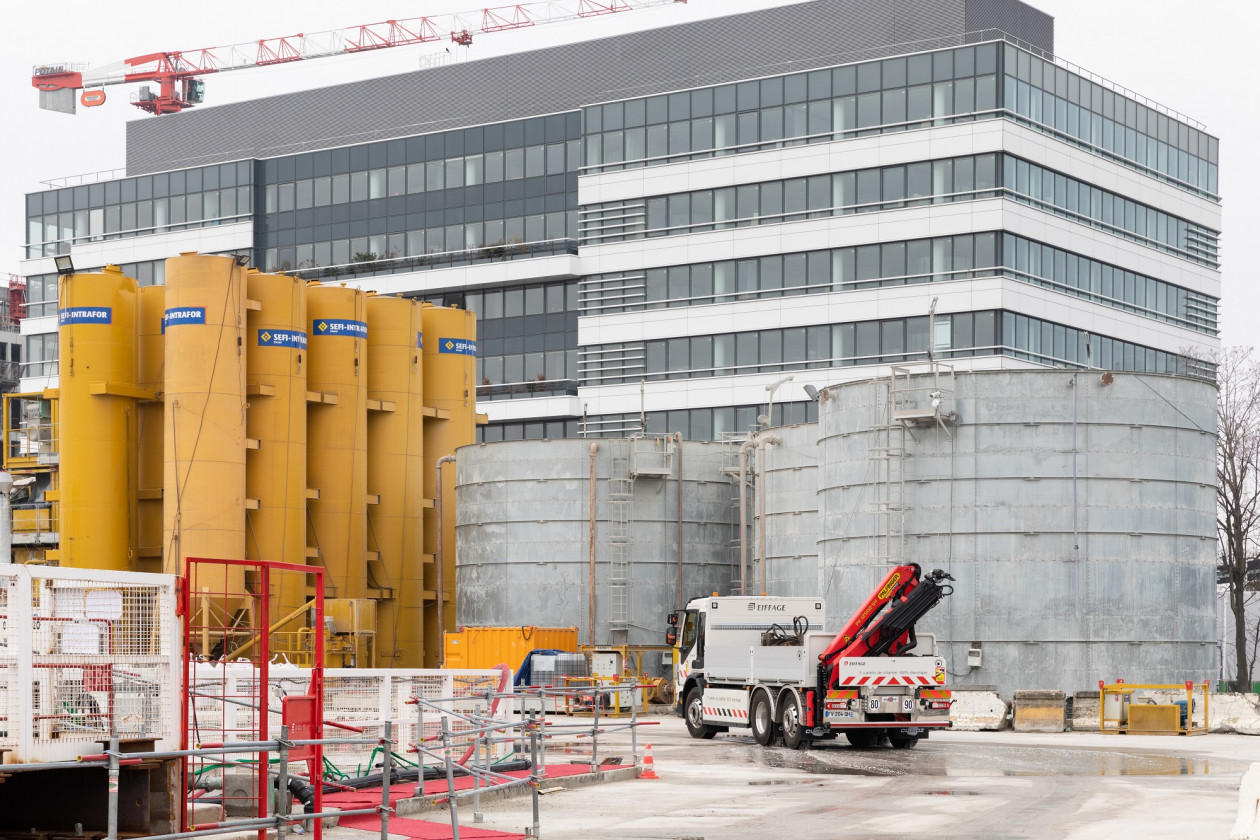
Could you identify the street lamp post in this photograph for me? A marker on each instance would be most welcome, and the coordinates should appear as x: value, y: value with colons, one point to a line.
x: 767, y: 418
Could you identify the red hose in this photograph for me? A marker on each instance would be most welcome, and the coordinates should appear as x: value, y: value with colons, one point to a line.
x: 504, y: 675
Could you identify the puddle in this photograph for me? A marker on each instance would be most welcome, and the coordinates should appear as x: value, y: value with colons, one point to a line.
x: 951, y: 793
x: 988, y: 760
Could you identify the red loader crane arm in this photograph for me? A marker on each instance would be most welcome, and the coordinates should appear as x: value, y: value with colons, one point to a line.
x: 876, y: 631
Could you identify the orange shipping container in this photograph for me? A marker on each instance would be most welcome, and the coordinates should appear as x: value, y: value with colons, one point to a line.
x: 485, y: 647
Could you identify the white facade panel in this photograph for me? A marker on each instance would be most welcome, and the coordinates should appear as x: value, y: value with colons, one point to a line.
x: 160, y: 246
x: 897, y: 148
x: 470, y: 277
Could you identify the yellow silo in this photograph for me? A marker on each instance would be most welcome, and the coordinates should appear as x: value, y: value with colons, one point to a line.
x: 450, y: 393
x: 395, y: 467
x: 204, y: 430
x: 336, y: 437
x: 275, y: 477
x: 97, y: 345
x: 151, y: 356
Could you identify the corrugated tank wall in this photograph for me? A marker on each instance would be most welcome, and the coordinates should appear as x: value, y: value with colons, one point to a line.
x: 1063, y: 581
x: 522, y: 536
x: 791, y: 487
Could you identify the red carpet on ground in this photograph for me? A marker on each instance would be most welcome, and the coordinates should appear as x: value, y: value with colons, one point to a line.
x: 423, y: 829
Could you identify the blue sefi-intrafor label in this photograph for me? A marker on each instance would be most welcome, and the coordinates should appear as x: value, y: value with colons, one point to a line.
x: 183, y: 316
x: 336, y: 326
x: 282, y: 338
x: 457, y: 345
x: 85, y: 315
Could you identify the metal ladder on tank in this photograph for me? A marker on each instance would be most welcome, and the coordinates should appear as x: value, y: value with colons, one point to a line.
x: 730, y: 469
x: 620, y: 501
x: 887, y: 455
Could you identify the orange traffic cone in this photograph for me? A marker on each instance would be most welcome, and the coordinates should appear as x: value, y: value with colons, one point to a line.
x: 649, y: 768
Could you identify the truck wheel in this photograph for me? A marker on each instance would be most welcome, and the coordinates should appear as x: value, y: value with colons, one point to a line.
x: 694, y: 711
x: 903, y: 742
x: 863, y: 739
x: 793, y: 725
x: 761, y: 718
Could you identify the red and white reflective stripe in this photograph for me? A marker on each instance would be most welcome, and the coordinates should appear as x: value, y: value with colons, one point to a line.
x: 896, y: 680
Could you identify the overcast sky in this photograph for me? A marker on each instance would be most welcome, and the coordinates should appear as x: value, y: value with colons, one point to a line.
x: 1197, y: 58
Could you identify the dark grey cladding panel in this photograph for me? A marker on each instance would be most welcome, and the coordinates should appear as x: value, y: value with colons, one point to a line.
x: 779, y: 40
x: 1019, y: 19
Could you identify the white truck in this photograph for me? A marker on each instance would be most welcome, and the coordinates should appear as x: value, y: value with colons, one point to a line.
x: 764, y: 663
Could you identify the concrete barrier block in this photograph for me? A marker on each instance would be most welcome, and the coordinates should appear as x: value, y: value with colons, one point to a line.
x: 1247, y: 826
x: 1085, y: 711
x: 1238, y: 713
x: 1040, y: 711
x: 201, y: 813
x: 238, y: 793
x: 976, y: 711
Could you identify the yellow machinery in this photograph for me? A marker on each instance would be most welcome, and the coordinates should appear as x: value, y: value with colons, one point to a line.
x: 395, y: 466
x: 450, y: 398
x: 98, y: 431
x: 31, y: 455
x: 485, y: 647
x: 237, y: 414
x: 204, y: 441
x: 275, y: 475
x: 1133, y: 709
x: 151, y: 377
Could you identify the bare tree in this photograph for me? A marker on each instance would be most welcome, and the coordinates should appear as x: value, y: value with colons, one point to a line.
x: 1238, y: 494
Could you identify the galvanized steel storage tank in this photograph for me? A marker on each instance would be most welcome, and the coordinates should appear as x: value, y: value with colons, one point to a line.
x: 791, y: 488
x: 523, y: 533
x: 1076, y: 511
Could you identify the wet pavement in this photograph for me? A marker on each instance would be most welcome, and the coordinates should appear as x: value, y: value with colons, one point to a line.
x: 956, y: 785
x: 946, y: 755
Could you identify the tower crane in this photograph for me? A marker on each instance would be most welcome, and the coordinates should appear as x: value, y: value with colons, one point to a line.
x: 176, y: 72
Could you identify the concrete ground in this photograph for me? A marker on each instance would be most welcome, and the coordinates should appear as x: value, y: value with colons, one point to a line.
x: 955, y: 785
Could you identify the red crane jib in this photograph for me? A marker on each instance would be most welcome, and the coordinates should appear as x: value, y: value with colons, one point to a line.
x: 853, y: 639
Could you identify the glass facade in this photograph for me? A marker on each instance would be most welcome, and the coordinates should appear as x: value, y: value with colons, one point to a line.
x: 694, y: 423
x: 1053, y: 99
x: 147, y: 204
x: 496, y: 186
x: 887, y: 341
x: 939, y: 259
x: 1063, y: 271
x: 508, y: 191
x: 900, y: 94
x: 526, y: 340
x: 967, y: 178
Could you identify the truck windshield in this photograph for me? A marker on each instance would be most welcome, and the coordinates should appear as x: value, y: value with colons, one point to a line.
x: 689, y: 631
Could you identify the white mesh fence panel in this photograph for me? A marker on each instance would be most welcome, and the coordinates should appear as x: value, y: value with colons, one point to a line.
x: 83, y: 653
x: 360, y: 697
